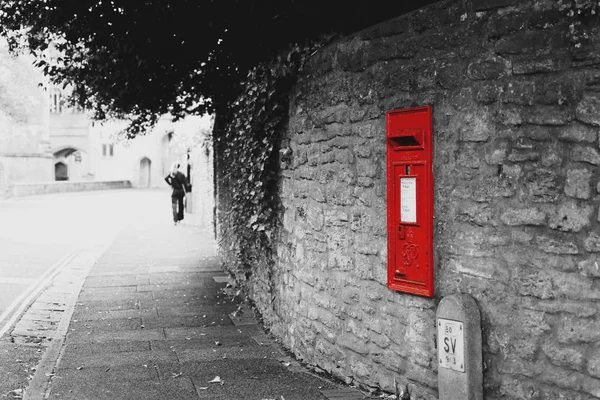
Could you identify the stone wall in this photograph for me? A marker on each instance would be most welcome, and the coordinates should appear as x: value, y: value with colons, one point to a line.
x: 515, y: 90
x: 37, y: 188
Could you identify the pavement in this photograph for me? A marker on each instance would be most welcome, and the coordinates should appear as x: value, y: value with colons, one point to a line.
x: 151, y: 316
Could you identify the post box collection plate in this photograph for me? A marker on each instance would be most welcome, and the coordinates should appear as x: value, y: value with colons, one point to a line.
x: 409, y: 153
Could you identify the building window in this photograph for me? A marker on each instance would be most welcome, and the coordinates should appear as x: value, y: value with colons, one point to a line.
x: 107, y: 150
x: 55, y: 102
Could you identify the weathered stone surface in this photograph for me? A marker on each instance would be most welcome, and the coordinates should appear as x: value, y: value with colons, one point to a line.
x: 543, y: 186
x: 585, y: 154
x: 527, y: 216
x: 555, y: 246
x: 568, y: 357
x: 578, y: 133
x: 515, y: 136
x: 578, y: 330
x: 481, y: 5
x: 570, y: 218
x: 533, y: 66
x: 578, y: 183
x: 590, y: 267
x: 487, y: 69
x: 546, y: 115
x: 524, y: 42
x: 588, y: 110
x: 593, y: 366
x: 592, y: 243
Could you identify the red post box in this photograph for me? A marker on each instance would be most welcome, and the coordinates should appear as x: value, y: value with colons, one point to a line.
x: 410, y: 200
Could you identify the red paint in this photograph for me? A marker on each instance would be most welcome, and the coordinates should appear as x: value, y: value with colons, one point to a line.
x: 409, y: 150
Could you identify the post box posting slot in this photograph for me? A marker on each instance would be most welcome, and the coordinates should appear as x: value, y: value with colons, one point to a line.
x: 410, y: 200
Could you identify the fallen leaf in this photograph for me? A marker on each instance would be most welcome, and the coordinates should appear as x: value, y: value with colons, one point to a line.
x: 203, y: 388
x: 16, y: 394
x: 80, y: 368
x: 217, y: 343
x: 217, y: 379
x: 176, y: 375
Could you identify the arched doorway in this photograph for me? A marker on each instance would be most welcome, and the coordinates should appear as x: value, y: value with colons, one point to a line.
x: 145, y: 172
x: 61, y: 171
x: 71, y: 163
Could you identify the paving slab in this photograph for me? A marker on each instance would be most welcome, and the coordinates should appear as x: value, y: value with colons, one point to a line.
x: 112, y: 373
x: 108, y: 325
x: 108, y: 305
x: 157, y: 318
x: 199, y: 320
x: 88, y: 336
x: 109, y: 359
x: 83, y: 388
x: 199, y: 309
x: 87, y: 315
x: 115, y: 296
x: 115, y: 280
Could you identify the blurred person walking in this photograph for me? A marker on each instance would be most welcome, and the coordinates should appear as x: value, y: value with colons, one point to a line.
x: 178, y: 182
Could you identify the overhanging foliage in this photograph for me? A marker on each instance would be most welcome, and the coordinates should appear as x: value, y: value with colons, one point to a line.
x: 152, y: 57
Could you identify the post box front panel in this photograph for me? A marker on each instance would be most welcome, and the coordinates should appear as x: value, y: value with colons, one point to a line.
x: 410, y: 201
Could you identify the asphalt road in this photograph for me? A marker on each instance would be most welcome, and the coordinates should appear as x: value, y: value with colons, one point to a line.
x: 38, y: 233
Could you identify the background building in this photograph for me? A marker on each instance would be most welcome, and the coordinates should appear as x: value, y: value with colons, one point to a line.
x: 24, y: 122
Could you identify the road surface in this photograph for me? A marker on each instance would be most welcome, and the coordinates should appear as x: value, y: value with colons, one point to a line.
x: 39, y: 233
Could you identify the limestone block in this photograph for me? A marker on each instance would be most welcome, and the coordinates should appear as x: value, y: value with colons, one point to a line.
x: 570, y: 218
x: 536, y: 284
x: 519, y: 155
x: 481, y: 5
x: 592, y: 243
x: 533, y: 66
x: 590, y: 267
x: 315, y: 217
x: 519, y: 92
x: 487, y: 92
x: 578, y: 183
x: 316, y: 192
x: 487, y: 69
x: 349, y: 341
x: 362, y: 150
x: 593, y: 365
x: 578, y: 133
x: 366, y: 168
x: 543, y: 186
x: 525, y: 216
x: 556, y: 246
x: 474, y: 126
x: 341, y: 261
x: 336, y: 217
x: 588, y: 110
x: 552, y: 155
x: 585, y: 154
x: 546, y: 115
x: 530, y: 42
x: 578, y: 330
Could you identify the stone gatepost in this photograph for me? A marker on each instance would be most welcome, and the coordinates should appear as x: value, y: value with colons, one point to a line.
x: 460, y: 372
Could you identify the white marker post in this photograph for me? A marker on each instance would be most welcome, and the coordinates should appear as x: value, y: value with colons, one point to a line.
x: 460, y: 372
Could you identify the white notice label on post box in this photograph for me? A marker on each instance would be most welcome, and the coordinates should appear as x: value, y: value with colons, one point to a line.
x: 408, y: 200
x: 451, y: 344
